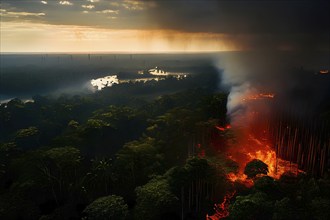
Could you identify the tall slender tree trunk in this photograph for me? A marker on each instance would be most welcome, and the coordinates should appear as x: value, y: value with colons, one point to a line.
x: 182, y: 202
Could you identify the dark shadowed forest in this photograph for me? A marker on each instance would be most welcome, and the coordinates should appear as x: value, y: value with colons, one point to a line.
x: 143, y: 150
x: 164, y: 110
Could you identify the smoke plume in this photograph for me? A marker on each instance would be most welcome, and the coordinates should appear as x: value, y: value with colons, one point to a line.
x: 292, y: 79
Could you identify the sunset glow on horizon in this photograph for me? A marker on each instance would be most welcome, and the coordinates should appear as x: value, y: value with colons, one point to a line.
x: 32, y: 37
x: 155, y: 26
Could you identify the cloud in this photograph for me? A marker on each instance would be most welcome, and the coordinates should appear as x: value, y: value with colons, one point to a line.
x: 65, y: 3
x: 108, y: 11
x: 5, y: 13
x: 135, y: 5
x: 88, y: 6
x: 242, y: 16
x: 76, y: 14
x: 261, y: 25
x: 44, y: 2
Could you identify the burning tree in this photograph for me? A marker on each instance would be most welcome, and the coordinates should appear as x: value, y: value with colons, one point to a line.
x: 255, y: 167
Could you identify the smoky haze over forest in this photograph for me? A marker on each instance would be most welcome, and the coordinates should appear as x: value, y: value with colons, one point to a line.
x: 164, y: 109
x: 293, y: 78
x: 26, y: 75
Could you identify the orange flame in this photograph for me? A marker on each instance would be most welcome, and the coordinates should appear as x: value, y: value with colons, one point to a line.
x: 221, y: 210
x: 259, y: 96
x: 223, y: 128
x: 247, y: 147
x: 261, y: 150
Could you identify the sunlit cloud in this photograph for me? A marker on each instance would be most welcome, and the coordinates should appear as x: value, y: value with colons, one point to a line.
x: 88, y: 6
x: 108, y: 11
x: 65, y: 3
x: 44, y: 2
x: 135, y: 5
x: 5, y: 13
x: 93, y: 1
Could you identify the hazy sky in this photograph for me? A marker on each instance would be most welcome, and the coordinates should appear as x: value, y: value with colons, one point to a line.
x: 163, y: 25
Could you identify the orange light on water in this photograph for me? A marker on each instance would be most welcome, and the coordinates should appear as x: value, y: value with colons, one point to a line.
x: 324, y: 71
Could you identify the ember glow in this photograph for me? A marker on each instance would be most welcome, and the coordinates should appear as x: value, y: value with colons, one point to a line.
x: 221, y: 210
x: 253, y: 142
x: 255, y: 148
x: 259, y: 96
x: 223, y: 128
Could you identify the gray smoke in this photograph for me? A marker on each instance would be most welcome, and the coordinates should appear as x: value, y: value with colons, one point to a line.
x: 293, y: 78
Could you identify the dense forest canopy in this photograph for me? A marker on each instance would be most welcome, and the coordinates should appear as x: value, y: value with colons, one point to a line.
x: 143, y: 150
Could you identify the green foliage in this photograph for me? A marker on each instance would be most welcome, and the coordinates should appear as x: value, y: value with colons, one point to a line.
x: 251, y: 207
x: 8, y: 151
x: 26, y: 167
x: 289, y: 186
x: 177, y: 178
x: 267, y: 185
x: 199, y: 168
x: 154, y: 199
x: 320, y: 208
x: 64, y: 157
x: 215, y: 106
x: 324, y: 185
x: 309, y: 189
x: 135, y: 147
x: 27, y: 137
x: 285, y: 209
x: 96, y: 124
x: 224, y: 164
x: 27, y: 132
x: 107, y: 208
x: 255, y: 167
x: 73, y: 124
x: 137, y: 161
x: 98, y: 180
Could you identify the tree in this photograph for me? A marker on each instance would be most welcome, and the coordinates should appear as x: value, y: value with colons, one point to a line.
x: 288, y: 183
x: 154, y: 199
x: 267, y: 185
x: 137, y: 161
x: 251, y: 207
x: 7, y: 152
x: 193, y: 183
x: 255, y: 167
x: 107, y: 208
x: 100, y: 177
x: 285, y: 209
x: 59, y: 167
x: 27, y: 137
x: 320, y: 208
x: 202, y: 178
